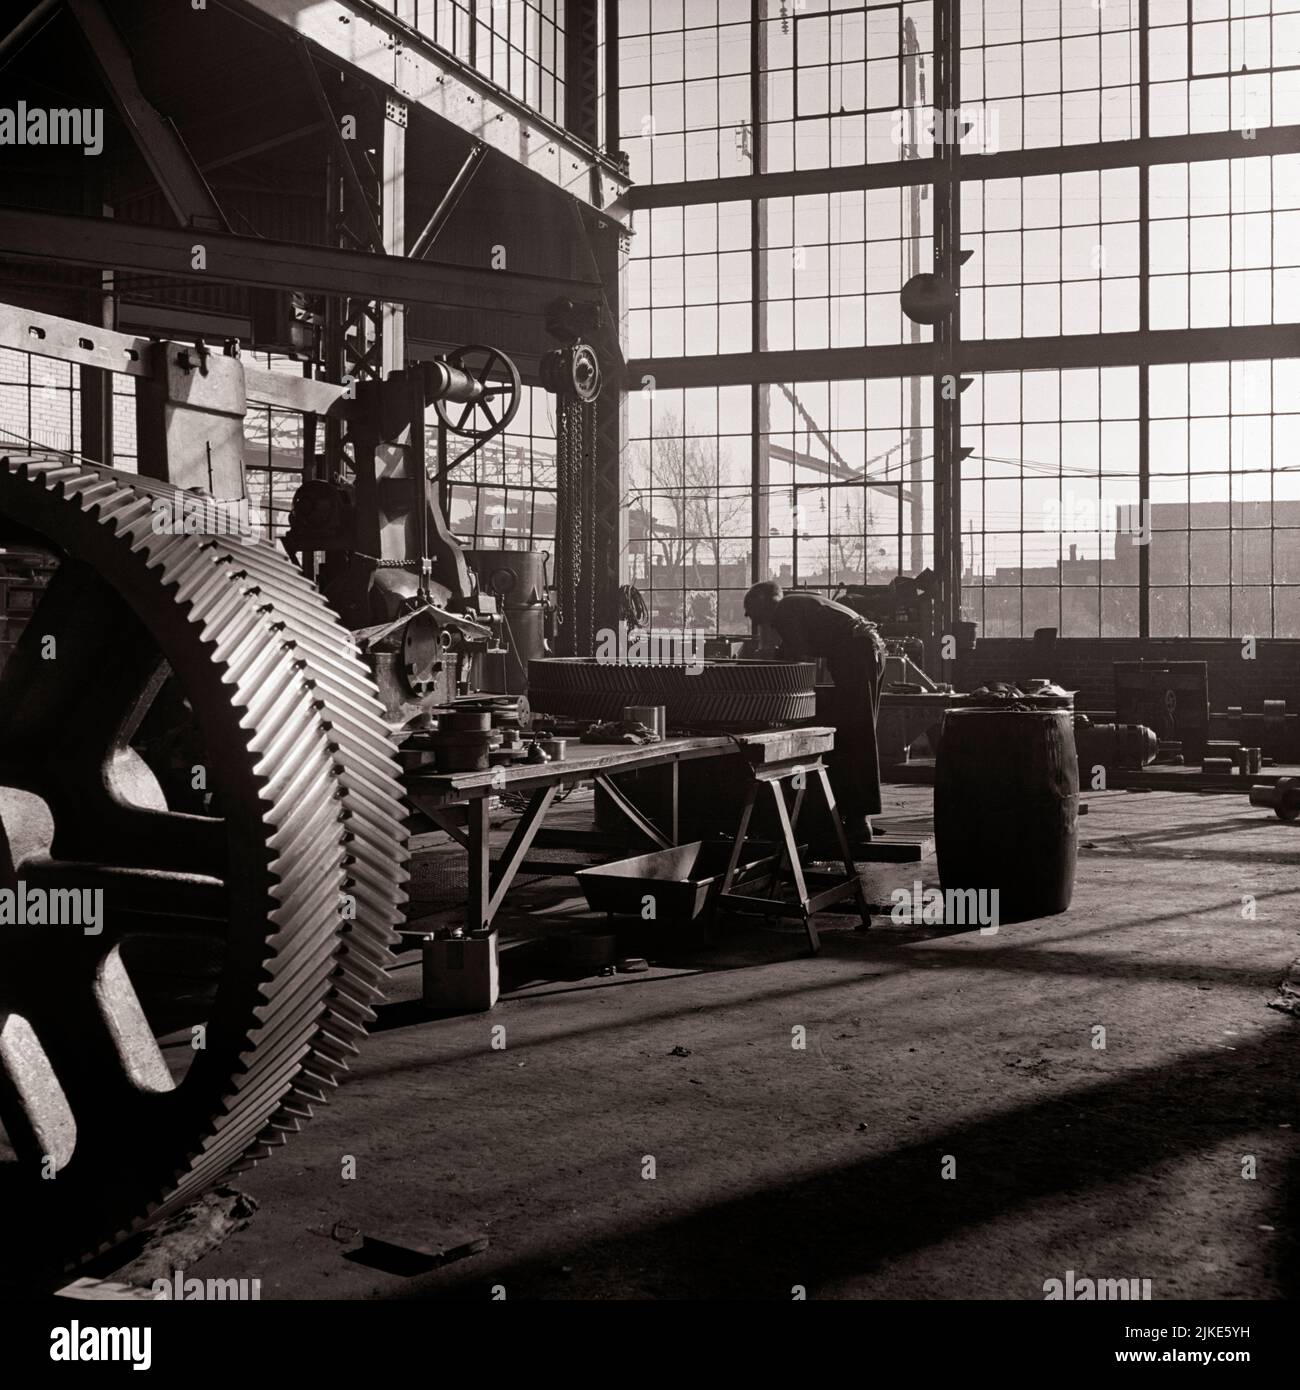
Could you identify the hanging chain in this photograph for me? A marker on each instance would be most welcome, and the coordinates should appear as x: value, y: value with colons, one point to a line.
x: 573, y: 432
x: 585, y: 413
x: 568, y: 559
x: 575, y: 526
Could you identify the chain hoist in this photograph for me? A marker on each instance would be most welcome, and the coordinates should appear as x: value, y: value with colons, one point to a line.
x: 573, y: 374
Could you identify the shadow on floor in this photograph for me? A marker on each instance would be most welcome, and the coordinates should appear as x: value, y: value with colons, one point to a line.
x: 1105, y: 1140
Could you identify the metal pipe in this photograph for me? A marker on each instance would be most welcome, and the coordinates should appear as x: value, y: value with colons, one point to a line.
x: 27, y: 25
x: 443, y: 382
x: 447, y: 204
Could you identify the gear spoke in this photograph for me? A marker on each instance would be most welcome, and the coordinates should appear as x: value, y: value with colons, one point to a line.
x: 112, y: 900
x: 85, y: 668
x: 234, y: 924
x: 484, y: 365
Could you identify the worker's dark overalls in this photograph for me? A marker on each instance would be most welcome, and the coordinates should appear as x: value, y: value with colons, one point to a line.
x: 812, y: 626
x: 857, y: 668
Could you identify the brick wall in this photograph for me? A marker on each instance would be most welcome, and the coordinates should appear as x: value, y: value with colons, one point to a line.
x: 1084, y: 664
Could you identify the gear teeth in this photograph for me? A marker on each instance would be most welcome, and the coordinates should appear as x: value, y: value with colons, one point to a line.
x: 304, y: 722
x: 724, y: 695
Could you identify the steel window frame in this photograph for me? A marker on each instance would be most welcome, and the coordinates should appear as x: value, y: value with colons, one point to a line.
x: 828, y: 15
x: 1143, y: 348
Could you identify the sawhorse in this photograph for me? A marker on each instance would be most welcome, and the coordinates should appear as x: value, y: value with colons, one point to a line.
x: 773, y: 775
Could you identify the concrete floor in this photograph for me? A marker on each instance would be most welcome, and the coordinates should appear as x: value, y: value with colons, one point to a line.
x: 823, y: 1167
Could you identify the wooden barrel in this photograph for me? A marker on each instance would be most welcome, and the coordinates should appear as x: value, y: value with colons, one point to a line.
x: 1006, y: 807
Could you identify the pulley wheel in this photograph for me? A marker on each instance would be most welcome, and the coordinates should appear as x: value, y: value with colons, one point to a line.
x: 491, y: 411
x: 584, y: 373
x: 572, y: 373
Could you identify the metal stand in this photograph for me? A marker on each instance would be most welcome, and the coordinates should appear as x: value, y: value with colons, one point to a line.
x: 807, y: 903
x: 489, y: 879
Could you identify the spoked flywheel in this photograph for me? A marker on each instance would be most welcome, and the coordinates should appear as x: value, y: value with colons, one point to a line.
x: 176, y: 989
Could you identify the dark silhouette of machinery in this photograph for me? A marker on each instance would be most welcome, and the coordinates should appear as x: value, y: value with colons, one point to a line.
x: 249, y: 888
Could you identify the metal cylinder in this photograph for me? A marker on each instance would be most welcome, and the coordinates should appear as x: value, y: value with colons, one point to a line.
x: 443, y: 382
x: 466, y: 721
x: 525, y: 639
x: 517, y: 580
x: 1282, y: 796
x: 1006, y: 807
x: 652, y: 716
x: 1273, y: 740
x: 515, y: 577
x: 1115, y: 745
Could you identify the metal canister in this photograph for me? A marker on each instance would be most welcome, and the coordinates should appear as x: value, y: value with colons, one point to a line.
x: 652, y: 716
x: 469, y: 721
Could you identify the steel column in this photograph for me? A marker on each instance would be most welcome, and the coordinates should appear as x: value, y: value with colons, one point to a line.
x: 392, y: 216
x: 947, y: 332
x: 760, y: 423
x: 913, y: 94
x: 96, y: 422
x: 96, y: 415
x: 1144, y: 323
x: 613, y: 122
x: 581, y: 70
x: 609, y: 243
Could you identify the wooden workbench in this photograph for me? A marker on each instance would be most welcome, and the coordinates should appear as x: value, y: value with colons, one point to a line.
x: 458, y: 801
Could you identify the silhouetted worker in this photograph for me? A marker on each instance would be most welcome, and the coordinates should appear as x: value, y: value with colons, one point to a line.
x: 810, y: 626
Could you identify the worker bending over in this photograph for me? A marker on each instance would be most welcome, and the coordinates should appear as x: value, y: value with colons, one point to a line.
x: 808, y: 627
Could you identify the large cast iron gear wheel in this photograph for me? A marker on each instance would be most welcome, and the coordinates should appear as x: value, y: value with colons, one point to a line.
x: 282, y: 908
x: 731, y: 695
